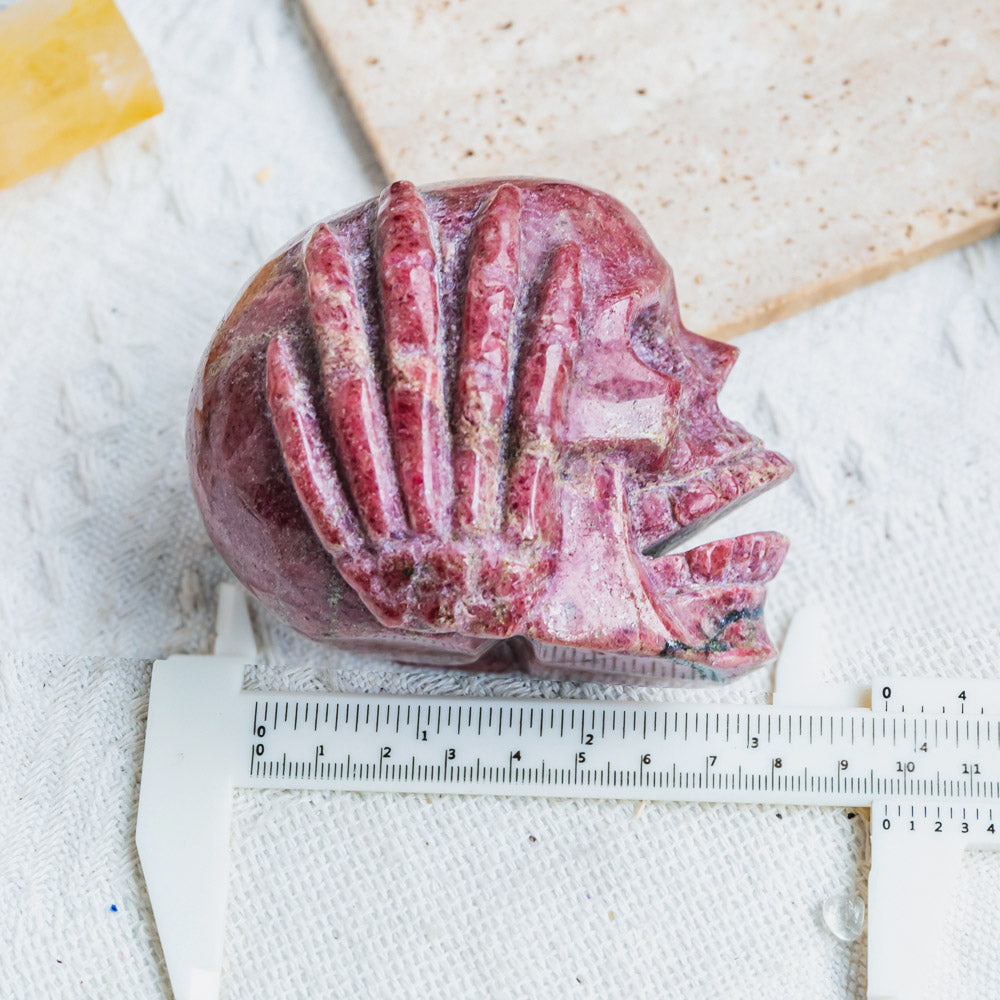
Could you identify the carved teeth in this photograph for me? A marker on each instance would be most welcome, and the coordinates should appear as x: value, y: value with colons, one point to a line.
x: 663, y: 511
x: 752, y: 558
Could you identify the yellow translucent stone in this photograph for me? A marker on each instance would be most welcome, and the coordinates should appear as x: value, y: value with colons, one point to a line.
x: 71, y: 75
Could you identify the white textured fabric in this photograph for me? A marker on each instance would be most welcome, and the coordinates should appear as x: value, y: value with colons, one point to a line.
x: 115, y: 269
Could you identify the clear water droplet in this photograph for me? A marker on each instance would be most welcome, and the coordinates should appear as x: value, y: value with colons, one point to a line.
x: 844, y: 915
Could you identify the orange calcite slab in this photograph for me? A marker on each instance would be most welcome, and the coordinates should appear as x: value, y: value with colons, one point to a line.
x: 71, y: 76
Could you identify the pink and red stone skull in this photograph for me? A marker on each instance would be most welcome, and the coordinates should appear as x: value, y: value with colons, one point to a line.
x: 461, y: 425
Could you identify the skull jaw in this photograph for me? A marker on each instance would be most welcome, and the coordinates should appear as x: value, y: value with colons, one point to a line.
x: 607, y: 602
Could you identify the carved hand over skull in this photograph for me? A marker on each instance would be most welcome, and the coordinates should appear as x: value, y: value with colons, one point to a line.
x: 461, y: 425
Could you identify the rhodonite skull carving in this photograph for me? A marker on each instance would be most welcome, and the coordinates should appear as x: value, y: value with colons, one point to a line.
x: 463, y: 425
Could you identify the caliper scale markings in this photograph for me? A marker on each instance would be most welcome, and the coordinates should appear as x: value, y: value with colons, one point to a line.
x: 505, y: 747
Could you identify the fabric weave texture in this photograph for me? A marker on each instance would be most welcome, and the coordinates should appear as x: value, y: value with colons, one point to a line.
x: 116, y: 268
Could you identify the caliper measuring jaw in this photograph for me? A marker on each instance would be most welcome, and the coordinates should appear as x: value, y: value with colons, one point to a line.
x: 914, y: 870
x: 189, y: 765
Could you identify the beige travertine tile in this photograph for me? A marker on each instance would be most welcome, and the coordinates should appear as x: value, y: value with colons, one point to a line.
x: 780, y: 153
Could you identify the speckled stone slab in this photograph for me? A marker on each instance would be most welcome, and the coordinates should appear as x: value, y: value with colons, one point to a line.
x: 779, y: 154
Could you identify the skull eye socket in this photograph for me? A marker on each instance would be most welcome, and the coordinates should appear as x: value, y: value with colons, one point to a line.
x: 655, y: 340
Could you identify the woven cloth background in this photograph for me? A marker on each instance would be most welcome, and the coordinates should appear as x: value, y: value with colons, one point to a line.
x: 114, y: 269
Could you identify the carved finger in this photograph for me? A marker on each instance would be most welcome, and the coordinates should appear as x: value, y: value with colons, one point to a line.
x: 350, y: 392
x: 414, y: 352
x: 540, y: 404
x: 305, y: 453
x: 481, y: 387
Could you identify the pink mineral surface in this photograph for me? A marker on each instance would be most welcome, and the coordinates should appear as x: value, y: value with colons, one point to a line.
x: 462, y: 425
